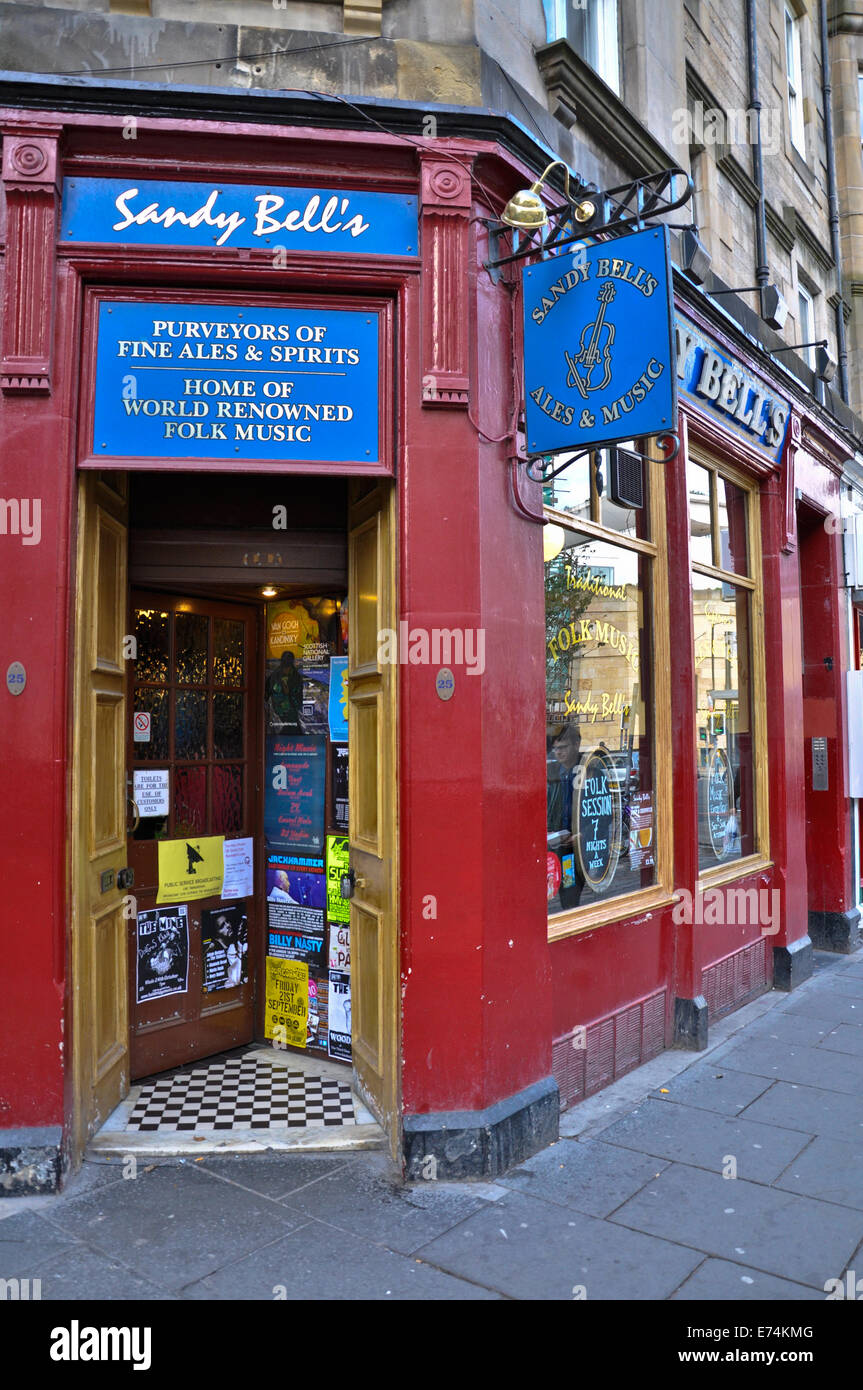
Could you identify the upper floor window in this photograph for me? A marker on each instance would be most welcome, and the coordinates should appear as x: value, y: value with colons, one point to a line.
x: 794, y: 69
x: 592, y: 28
x: 806, y: 317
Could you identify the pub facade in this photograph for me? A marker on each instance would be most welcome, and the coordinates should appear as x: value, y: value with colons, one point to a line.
x: 285, y: 615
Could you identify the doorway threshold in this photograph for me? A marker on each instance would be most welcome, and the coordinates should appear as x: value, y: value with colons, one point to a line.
x: 254, y: 1100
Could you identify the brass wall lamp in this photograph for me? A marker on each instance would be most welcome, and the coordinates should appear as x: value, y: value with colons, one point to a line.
x: 526, y: 211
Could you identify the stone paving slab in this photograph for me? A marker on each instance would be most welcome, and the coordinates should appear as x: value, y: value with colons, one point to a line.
x: 795, y: 1028
x: 810, y: 1110
x: 705, y: 1140
x: 826, y: 1004
x: 528, y: 1248
x: 845, y: 1038
x: 586, y: 1175
x: 26, y: 1241
x: 174, y: 1224
x: 722, y: 1281
x: 81, y: 1274
x: 319, y: 1263
x: 830, y: 1169
x: 794, y: 1237
x: 709, y: 1087
x: 365, y: 1200
x: 274, y: 1177
x: 806, y: 1066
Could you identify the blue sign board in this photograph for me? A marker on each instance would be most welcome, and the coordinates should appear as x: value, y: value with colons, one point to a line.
x: 156, y: 212
x: 216, y: 381
x: 720, y: 385
x: 338, y: 707
x: 598, y: 359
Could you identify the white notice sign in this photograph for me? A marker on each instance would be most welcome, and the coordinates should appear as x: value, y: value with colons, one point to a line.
x: 239, y: 862
x: 151, y: 791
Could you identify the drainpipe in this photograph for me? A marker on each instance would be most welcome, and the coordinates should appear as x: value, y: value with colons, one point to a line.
x: 832, y: 199
x: 762, y: 270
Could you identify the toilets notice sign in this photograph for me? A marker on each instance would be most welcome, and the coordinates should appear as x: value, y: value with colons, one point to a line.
x: 235, y: 382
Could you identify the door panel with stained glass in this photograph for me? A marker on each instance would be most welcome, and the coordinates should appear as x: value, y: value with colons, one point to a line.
x: 190, y: 778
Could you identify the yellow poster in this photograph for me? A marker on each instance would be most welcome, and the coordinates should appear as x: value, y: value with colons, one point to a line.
x: 290, y: 626
x: 191, y: 869
x: 286, y: 1007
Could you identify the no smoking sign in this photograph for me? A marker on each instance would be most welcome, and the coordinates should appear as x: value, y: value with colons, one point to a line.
x: 141, y: 727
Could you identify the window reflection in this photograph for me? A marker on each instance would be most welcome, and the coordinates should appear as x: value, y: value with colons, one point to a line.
x: 600, y: 804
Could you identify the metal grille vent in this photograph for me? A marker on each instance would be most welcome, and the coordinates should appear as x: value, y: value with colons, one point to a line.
x: 625, y: 478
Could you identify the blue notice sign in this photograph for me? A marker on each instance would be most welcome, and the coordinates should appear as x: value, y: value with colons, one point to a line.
x: 217, y: 381
x: 598, y: 360
x: 158, y: 212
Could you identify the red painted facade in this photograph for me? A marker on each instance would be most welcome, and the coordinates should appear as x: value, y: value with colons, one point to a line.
x: 484, y: 993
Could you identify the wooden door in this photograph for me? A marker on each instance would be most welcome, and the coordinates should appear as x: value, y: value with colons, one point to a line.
x: 373, y: 817
x: 192, y: 972
x: 99, y: 1035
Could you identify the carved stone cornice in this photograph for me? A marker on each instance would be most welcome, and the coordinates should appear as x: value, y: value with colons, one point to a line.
x: 578, y: 93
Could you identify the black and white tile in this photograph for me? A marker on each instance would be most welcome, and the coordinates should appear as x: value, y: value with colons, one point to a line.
x: 240, y: 1093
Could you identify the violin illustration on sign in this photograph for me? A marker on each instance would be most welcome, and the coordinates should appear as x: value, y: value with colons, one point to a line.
x: 595, y: 348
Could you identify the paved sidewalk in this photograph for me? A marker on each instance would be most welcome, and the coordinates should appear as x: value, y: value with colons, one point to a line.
x: 632, y: 1203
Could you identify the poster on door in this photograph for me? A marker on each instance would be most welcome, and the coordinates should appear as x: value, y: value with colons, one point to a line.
x: 301, y: 636
x: 294, y: 795
x: 191, y: 869
x: 338, y: 707
x: 224, y: 948
x: 338, y: 863
x: 162, y: 954
x: 286, y: 1002
x: 339, y: 763
x: 317, y: 1024
x: 340, y: 946
x: 316, y: 695
x: 295, y: 907
x: 339, y: 1040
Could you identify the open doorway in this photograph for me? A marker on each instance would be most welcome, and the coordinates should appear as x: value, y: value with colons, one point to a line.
x: 213, y: 724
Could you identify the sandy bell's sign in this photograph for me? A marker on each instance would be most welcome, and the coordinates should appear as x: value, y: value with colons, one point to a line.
x: 598, y: 360
x: 728, y: 391
x: 219, y: 381
x: 156, y: 212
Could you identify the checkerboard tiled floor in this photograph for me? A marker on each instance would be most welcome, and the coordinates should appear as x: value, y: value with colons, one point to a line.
x: 240, y: 1093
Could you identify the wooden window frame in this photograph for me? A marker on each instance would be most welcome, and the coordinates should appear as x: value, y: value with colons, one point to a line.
x: 760, y: 859
x: 591, y: 916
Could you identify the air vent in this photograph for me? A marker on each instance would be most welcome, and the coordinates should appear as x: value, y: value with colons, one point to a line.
x: 625, y: 478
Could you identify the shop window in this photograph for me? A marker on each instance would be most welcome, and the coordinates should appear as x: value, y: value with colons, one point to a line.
x: 592, y: 29
x: 600, y: 699
x: 725, y: 596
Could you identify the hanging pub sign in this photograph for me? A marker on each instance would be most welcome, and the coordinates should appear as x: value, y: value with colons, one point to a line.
x: 598, y: 344
x: 158, y: 212
x: 236, y: 382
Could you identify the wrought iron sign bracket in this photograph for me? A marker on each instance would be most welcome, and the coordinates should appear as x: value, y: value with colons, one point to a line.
x: 617, y: 210
x: 538, y: 472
